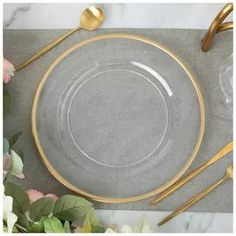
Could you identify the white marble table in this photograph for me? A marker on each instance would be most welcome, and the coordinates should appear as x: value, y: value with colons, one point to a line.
x: 132, y: 15
x: 197, y: 16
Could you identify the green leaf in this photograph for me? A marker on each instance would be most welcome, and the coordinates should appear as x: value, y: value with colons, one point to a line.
x: 16, y: 165
x: 14, y: 230
x: 41, y: 207
x: 87, y: 226
x: 91, y: 220
x: 14, y: 139
x: 67, y: 227
x: 98, y: 229
x: 21, y: 154
x: 37, y: 227
x: 53, y: 225
x: 22, y: 220
x: 70, y: 207
x: 6, y: 146
x: 21, y: 202
x: 6, y: 101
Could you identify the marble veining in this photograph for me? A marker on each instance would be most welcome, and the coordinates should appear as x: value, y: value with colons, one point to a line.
x: 187, y: 222
x: 118, y: 15
x: 15, y: 14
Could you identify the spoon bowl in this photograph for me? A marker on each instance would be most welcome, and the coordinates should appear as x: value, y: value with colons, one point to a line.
x: 91, y: 18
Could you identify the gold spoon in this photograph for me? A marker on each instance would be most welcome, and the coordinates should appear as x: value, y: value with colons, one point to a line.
x: 199, y: 196
x: 90, y: 19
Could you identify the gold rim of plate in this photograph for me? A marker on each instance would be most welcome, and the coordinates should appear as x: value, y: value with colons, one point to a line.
x: 99, y: 198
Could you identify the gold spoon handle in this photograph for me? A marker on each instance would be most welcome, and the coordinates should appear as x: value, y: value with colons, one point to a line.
x: 193, y: 200
x: 47, y: 48
x: 221, y: 153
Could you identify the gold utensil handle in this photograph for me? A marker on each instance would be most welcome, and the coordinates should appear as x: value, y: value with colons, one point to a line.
x: 217, y: 26
x: 225, y: 150
x: 47, y: 48
x: 225, y: 26
x: 193, y: 200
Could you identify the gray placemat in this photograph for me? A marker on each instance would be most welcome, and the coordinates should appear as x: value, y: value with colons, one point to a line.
x: 20, y: 44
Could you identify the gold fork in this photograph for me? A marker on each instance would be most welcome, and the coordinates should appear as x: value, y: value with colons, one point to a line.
x: 199, y: 196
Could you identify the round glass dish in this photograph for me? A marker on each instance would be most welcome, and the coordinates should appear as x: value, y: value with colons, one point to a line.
x: 118, y: 118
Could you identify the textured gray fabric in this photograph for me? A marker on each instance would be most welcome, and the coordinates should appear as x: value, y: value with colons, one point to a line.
x: 20, y: 44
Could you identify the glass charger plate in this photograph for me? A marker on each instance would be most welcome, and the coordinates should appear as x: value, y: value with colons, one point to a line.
x: 118, y: 118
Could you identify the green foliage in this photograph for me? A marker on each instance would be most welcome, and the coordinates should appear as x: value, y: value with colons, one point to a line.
x: 70, y: 207
x: 91, y: 220
x: 12, y: 161
x: 42, y: 207
x: 21, y: 154
x: 21, y: 201
x: 53, y: 225
x: 97, y: 229
x: 16, y: 166
x: 47, y: 216
x: 67, y: 227
x: 22, y: 220
x: 14, y: 139
x: 36, y: 227
x: 49, y: 225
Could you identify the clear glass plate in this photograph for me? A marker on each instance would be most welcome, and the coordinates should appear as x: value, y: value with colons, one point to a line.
x: 118, y: 118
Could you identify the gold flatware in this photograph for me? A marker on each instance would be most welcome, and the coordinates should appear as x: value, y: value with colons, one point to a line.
x: 221, y: 153
x: 90, y: 19
x: 199, y: 196
x: 217, y: 26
